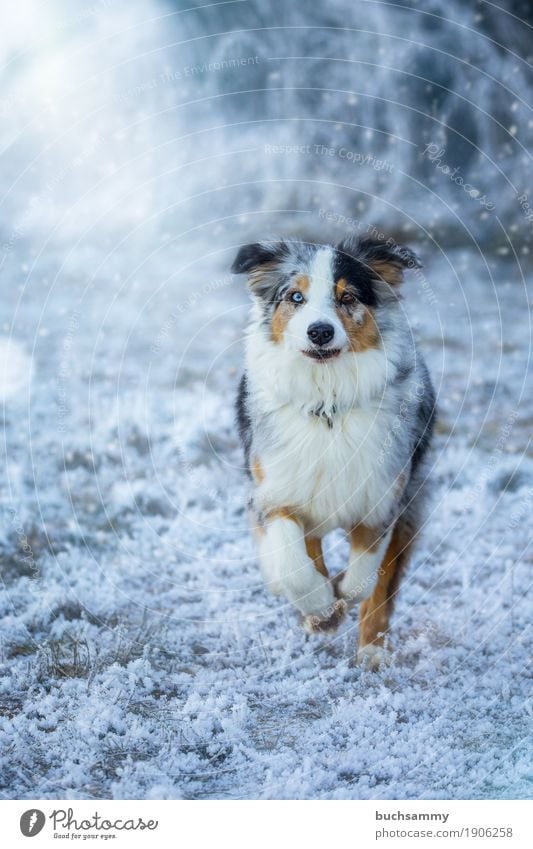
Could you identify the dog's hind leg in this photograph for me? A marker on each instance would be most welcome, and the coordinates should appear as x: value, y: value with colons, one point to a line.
x: 375, y: 612
x: 367, y: 550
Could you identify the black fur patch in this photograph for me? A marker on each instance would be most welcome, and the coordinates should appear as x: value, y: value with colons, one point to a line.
x: 425, y: 419
x: 353, y: 261
x: 373, y: 250
x: 356, y: 274
x: 258, y: 253
x: 244, y: 422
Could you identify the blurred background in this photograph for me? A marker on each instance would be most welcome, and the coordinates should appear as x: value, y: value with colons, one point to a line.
x: 141, y: 144
x: 172, y: 111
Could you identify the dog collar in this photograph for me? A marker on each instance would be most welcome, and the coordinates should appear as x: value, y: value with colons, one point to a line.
x: 320, y: 412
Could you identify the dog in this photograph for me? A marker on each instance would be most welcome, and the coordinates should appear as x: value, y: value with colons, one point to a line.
x: 335, y: 412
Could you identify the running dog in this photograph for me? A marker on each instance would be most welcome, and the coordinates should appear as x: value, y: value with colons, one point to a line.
x: 335, y: 412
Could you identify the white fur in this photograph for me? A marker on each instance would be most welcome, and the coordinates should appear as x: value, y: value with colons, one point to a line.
x: 330, y: 475
x: 287, y: 567
x: 333, y: 438
x: 319, y: 429
x: 319, y: 306
x: 360, y: 578
x: 281, y: 377
x: 372, y: 656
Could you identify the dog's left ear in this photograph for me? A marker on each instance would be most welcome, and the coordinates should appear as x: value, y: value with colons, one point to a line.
x: 387, y: 259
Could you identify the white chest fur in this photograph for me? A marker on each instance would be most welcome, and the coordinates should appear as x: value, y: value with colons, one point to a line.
x: 332, y: 476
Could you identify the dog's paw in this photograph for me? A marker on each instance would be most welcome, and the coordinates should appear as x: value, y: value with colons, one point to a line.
x: 311, y: 593
x: 337, y: 589
x: 314, y: 623
x: 373, y: 657
x: 335, y: 581
x: 351, y: 589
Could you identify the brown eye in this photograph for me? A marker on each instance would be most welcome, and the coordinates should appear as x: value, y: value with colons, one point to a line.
x: 347, y: 298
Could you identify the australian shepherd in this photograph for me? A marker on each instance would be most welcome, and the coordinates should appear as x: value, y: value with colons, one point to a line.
x: 335, y: 412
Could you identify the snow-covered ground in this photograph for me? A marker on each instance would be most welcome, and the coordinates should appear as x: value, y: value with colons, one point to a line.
x: 141, y: 656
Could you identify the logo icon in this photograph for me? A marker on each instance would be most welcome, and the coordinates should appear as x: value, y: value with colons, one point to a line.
x: 32, y: 822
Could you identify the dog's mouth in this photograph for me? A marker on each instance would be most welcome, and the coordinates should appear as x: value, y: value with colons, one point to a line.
x: 320, y: 355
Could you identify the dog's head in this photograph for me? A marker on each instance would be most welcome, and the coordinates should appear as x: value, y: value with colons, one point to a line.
x: 321, y: 300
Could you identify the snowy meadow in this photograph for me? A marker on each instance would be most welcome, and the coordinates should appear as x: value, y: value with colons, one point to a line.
x: 141, y: 656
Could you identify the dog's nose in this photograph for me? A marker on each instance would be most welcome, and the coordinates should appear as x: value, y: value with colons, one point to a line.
x: 320, y: 333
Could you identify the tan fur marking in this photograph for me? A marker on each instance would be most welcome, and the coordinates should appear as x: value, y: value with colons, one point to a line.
x: 257, y: 274
x: 257, y: 471
x: 388, y: 271
x: 340, y: 288
x: 313, y: 547
x: 363, y: 538
x: 302, y: 284
x: 374, y: 613
x: 361, y: 335
x: 284, y: 311
x: 280, y: 319
x: 283, y: 513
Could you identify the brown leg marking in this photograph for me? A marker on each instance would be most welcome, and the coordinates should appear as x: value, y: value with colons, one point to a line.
x: 316, y: 624
x: 362, y: 538
x: 365, y: 538
x: 283, y: 513
x: 313, y: 546
x: 374, y: 613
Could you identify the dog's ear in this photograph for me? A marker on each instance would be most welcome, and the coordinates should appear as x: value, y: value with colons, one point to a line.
x: 388, y: 260
x: 259, y: 260
x: 257, y: 254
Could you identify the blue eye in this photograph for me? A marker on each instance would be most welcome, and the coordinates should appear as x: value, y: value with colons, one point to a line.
x: 297, y: 298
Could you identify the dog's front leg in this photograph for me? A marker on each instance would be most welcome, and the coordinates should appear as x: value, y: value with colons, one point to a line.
x: 367, y: 549
x: 290, y: 571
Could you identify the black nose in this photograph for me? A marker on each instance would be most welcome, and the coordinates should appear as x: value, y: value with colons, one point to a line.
x: 320, y: 334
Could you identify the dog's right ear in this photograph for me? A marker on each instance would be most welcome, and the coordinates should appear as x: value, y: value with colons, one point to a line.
x: 254, y: 255
x: 259, y: 260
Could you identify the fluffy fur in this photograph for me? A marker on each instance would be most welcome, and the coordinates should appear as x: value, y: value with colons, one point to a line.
x: 335, y: 412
